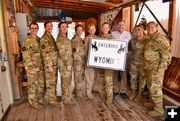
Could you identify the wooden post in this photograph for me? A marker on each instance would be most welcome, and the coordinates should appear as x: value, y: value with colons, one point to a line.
x: 172, y: 17
x: 131, y: 18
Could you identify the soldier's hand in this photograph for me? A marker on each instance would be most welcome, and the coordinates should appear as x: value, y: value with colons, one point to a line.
x: 69, y: 68
x: 50, y: 69
x: 33, y: 72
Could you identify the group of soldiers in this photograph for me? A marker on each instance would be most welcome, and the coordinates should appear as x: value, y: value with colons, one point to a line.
x: 44, y: 56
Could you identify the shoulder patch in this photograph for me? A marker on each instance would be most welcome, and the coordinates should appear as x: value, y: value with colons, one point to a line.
x: 43, y: 46
x: 74, y: 50
x: 24, y: 49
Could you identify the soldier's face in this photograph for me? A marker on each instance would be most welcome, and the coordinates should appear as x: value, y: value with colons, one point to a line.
x: 63, y: 28
x: 92, y: 30
x: 79, y: 31
x: 105, y: 29
x: 33, y: 30
x: 49, y: 27
x: 121, y: 27
x: 139, y: 31
x: 151, y: 29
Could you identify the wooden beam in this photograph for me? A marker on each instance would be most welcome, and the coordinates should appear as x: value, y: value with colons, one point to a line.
x: 108, y: 5
x: 72, y: 8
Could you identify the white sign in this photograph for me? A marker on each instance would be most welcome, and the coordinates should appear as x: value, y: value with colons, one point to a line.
x: 107, y: 54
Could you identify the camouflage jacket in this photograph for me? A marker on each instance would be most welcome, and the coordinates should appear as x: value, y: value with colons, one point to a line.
x: 64, y: 50
x: 31, y: 53
x: 157, y: 52
x: 109, y: 36
x: 138, y: 47
x: 78, y: 49
x: 48, y: 49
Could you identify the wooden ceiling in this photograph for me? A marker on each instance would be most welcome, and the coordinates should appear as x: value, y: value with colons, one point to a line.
x: 77, y: 5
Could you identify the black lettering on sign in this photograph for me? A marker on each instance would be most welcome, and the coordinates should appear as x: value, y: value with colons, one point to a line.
x: 103, y: 60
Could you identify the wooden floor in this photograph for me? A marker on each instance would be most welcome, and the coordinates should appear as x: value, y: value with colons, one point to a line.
x: 88, y: 110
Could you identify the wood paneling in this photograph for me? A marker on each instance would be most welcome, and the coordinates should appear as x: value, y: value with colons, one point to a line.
x: 172, y: 78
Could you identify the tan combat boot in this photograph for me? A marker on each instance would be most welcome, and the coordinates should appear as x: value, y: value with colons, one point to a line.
x: 70, y: 101
x: 55, y: 104
x: 37, y: 106
x: 155, y: 113
x: 42, y: 102
x: 139, y: 96
x: 149, y: 105
x: 109, y: 100
x: 133, y: 94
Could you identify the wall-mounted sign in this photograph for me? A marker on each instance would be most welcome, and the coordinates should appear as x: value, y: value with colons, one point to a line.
x: 107, y: 54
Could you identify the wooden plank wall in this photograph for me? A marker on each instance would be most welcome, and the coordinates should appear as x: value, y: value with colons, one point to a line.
x: 172, y: 78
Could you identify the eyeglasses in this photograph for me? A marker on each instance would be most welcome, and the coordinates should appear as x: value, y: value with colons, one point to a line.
x: 34, y: 28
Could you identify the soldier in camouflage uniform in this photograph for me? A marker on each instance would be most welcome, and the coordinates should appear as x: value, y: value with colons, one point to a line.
x: 108, y: 74
x: 65, y: 61
x: 34, y: 67
x: 49, y: 54
x: 78, y: 62
x: 137, y: 71
x: 157, y: 58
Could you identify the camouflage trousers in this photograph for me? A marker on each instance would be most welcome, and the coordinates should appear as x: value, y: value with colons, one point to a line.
x: 50, y: 80
x: 155, y: 83
x: 66, y: 78
x: 79, y: 79
x: 35, y: 87
x: 108, y: 84
x: 137, y: 74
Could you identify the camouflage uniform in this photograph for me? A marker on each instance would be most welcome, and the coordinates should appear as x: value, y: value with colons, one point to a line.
x: 34, y: 69
x: 49, y: 54
x: 78, y: 65
x: 137, y: 71
x: 157, y: 58
x: 65, y: 60
x: 108, y: 78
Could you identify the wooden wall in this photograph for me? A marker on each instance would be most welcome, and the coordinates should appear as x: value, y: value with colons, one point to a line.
x: 172, y: 78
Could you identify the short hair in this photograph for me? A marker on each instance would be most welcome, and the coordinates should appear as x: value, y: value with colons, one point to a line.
x: 91, y: 24
x: 121, y: 20
x: 79, y: 25
x: 105, y: 23
x: 33, y: 23
x: 59, y: 25
x: 46, y: 22
x: 139, y: 25
x: 153, y: 22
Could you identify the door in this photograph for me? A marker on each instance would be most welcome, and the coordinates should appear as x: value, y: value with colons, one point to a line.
x: 6, y: 96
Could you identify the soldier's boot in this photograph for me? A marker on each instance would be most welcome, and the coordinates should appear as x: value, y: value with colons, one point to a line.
x: 109, y: 100
x: 133, y: 94
x: 42, y: 102
x: 149, y: 105
x: 55, y: 104
x: 155, y: 113
x: 37, y: 106
x: 79, y: 95
x: 70, y: 101
x: 139, y: 96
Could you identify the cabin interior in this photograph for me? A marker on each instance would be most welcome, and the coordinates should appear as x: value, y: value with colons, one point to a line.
x: 15, y: 17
